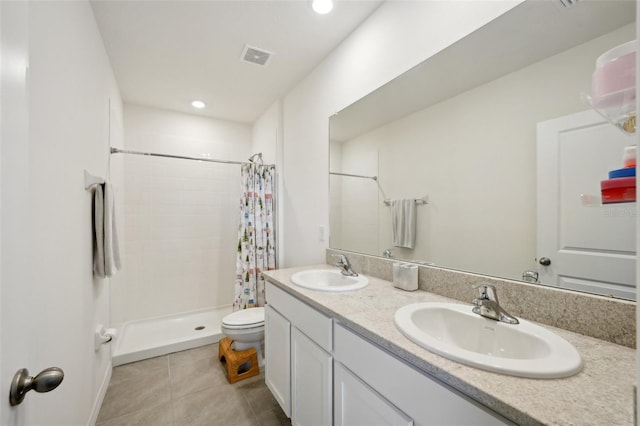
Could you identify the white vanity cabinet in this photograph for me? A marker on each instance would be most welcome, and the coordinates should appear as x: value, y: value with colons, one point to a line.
x: 311, y: 379
x: 323, y: 373
x: 277, y: 354
x: 298, y: 360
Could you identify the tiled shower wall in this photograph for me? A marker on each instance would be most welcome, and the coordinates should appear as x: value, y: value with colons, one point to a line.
x: 180, y: 216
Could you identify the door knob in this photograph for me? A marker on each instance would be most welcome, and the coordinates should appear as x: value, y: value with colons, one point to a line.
x: 545, y: 261
x: 47, y: 380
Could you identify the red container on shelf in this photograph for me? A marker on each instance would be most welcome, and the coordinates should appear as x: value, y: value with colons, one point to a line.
x: 618, y: 190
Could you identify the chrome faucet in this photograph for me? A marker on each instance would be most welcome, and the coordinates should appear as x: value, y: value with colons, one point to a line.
x: 487, y: 305
x: 387, y: 254
x: 343, y: 262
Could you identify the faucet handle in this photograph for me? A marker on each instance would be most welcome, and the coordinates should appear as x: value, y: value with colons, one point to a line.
x: 342, y: 259
x: 486, y: 291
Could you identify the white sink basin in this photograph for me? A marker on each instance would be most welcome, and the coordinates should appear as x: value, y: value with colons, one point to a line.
x: 328, y: 280
x: 456, y: 333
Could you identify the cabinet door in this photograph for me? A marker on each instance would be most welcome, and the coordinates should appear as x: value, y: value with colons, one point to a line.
x: 356, y: 404
x: 311, y: 382
x: 277, y: 358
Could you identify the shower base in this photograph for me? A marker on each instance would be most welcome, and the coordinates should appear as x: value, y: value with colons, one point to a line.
x: 138, y: 340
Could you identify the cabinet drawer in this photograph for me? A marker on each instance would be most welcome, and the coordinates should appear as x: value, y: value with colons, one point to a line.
x: 423, y: 398
x: 316, y: 326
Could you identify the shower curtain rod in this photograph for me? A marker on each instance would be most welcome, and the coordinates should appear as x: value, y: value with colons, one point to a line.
x: 182, y: 157
x: 357, y: 176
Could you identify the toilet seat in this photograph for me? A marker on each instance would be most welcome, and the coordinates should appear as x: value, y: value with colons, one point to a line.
x: 244, y: 319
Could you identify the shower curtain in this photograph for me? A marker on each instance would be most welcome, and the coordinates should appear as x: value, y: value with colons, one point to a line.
x: 256, y: 239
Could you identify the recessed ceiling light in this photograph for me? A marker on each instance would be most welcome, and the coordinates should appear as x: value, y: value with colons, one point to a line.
x: 322, y: 7
x: 198, y: 104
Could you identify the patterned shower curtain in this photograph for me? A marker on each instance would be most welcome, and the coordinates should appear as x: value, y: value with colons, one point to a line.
x: 256, y: 239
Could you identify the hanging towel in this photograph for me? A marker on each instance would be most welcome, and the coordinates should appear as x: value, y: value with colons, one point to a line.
x: 106, y: 251
x: 403, y: 221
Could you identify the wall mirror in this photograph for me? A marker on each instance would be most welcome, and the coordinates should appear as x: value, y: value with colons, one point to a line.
x: 460, y: 131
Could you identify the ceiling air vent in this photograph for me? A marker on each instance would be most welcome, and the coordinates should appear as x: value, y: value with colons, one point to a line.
x: 256, y: 56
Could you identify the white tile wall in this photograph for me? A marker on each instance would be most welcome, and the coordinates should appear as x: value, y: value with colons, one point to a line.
x: 180, y: 216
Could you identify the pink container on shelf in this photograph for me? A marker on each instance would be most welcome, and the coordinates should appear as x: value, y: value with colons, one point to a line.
x: 615, y: 72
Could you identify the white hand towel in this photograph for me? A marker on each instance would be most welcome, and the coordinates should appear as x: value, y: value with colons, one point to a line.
x: 403, y: 220
x: 98, y: 232
x: 111, y: 246
x: 106, y: 257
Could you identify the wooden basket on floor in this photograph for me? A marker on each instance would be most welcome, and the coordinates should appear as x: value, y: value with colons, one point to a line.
x: 240, y: 364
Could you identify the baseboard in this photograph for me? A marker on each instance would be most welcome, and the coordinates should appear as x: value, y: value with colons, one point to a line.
x: 100, y: 396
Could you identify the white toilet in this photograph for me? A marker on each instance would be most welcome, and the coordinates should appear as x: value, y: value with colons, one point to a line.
x: 246, y: 328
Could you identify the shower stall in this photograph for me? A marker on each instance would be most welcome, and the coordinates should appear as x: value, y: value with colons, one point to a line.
x: 181, y: 217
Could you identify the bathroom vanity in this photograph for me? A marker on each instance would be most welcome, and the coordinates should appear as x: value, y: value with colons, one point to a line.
x: 338, y: 358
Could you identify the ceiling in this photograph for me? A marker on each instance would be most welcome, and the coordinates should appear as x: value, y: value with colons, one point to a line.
x: 167, y: 53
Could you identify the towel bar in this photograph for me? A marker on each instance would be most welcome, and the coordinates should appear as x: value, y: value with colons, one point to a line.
x: 423, y: 200
x: 90, y: 180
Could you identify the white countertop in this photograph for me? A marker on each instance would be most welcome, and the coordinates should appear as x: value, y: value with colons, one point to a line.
x: 602, y: 394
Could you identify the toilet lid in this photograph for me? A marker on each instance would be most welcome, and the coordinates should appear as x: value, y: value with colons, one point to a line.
x: 248, y: 316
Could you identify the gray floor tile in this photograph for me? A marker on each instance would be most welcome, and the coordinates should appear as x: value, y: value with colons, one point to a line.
x: 192, y: 355
x: 274, y: 417
x: 187, y: 378
x: 158, y: 365
x: 130, y: 395
x: 152, y: 416
x: 259, y: 397
x: 213, y: 406
x: 187, y: 388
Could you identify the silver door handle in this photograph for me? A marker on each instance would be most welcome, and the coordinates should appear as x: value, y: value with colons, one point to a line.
x: 47, y: 380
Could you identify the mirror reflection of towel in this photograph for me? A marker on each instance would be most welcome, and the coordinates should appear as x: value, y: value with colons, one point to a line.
x: 106, y: 252
x: 403, y: 222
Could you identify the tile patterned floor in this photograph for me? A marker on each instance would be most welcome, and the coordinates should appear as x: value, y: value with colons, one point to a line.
x: 183, y: 389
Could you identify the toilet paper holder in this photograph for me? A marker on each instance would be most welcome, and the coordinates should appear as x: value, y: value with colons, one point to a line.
x: 103, y: 336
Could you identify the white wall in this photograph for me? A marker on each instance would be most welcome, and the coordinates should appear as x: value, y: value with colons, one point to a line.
x: 266, y: 134
x: 356, y: 201
x: 335, y: 201
x: 267, y: 138
x: 180, y: 216
x: 481, y: 184
x: 70, y: 84
x: 398, y: 36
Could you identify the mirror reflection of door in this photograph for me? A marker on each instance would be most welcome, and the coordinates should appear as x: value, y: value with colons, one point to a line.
x: 591, y: 246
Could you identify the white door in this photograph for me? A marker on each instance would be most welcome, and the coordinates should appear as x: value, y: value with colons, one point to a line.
x: 311, y: 378
x: 18, y: 331
x: 277, y: 347
x: 357, y: 404
x: 589, y: 246
x: 22, y: 321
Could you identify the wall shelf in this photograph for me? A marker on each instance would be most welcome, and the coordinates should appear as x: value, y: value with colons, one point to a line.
x: 596, y: 201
